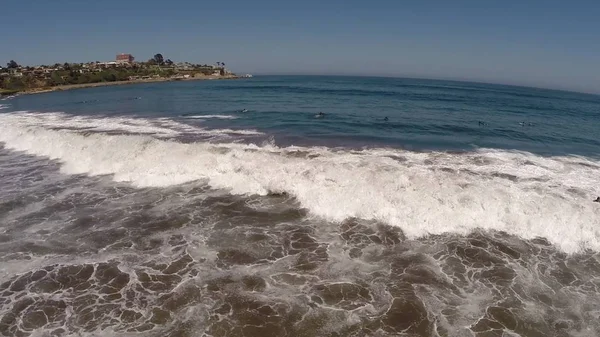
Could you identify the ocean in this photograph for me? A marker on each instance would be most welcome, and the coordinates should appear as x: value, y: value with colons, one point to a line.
x: 232, y: 208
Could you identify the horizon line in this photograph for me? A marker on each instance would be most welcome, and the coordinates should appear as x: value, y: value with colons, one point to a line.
x: 407, y: 77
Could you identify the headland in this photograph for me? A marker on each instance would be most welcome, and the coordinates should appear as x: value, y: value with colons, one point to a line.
x: 18, y: 79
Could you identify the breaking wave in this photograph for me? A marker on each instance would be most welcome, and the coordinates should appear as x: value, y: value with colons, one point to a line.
x: 422, y: 193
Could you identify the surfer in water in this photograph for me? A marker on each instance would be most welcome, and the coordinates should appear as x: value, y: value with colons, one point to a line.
x: 386, y: 119
x: 244, y: 110
x: 320, y: 115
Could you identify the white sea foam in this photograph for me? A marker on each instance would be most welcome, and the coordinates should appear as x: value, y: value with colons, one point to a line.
x: 210, y: 116
x: 4, y: 106
x: 158, y: 127
x: 423, y: 193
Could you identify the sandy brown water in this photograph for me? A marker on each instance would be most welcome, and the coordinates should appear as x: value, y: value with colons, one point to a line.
x: 85, y: 256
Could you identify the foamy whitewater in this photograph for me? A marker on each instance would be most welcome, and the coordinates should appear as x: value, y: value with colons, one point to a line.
x: 518, y: 193
x: 124, y: 224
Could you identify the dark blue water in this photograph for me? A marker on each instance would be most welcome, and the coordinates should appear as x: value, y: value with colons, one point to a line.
x: 422, y: 114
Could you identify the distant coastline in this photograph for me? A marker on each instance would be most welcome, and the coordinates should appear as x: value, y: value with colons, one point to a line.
x: 104, y: 84
x: 17, y: 79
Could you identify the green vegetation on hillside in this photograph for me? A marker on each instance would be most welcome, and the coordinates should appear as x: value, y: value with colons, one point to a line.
x: 4, y: 92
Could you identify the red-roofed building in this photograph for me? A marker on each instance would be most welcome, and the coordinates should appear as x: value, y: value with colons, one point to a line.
x: 125, y: 58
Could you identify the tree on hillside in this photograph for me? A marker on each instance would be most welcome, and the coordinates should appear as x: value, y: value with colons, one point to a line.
x: 56, y: 79
x: 12, y: 64
x: 66, y: 66
x: 151, y: 61
x: 169, y: 62
x: 158, y: 58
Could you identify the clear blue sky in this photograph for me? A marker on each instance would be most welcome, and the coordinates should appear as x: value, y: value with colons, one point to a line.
x: 547, y: 43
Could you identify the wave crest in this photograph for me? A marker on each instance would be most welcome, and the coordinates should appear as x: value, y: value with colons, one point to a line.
x: 423, y: 193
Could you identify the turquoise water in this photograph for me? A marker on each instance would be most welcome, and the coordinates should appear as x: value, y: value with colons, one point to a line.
x: 422, y: 114
x: 164, y: 210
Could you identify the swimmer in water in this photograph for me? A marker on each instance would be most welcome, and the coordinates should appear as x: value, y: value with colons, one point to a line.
x: 386, y: 119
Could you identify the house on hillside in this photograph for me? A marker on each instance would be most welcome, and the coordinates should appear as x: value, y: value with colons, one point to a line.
x: 16, y: 72
x: 184, y: 66
x: 111, y: 64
